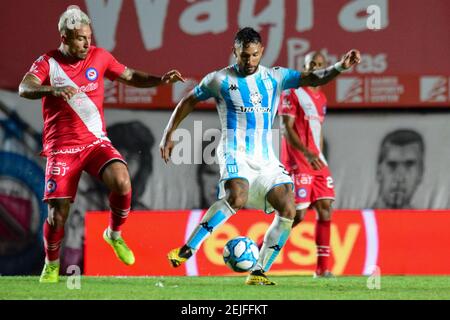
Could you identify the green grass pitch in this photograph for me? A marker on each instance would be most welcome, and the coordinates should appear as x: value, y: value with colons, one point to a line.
x: 226, y: 288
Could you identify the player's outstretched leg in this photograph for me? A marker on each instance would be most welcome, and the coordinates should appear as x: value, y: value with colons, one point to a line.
x: 216, y: 215
x: 274, y: 240
x: 117, y: 179
x: 120, y: 207
x: 58, y: 210
x: 281, y: 198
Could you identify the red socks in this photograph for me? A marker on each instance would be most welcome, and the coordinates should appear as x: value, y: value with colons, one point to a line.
x: 323, y: 245
x: 120, y: 207
x: 52, y: 241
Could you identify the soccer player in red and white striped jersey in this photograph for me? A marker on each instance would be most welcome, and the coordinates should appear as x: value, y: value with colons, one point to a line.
x: 303, y: 111
x: 69, y: 80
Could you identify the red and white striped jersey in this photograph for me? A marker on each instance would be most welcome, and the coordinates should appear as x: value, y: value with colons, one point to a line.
x: 308, y: 107
x: 79, y: 121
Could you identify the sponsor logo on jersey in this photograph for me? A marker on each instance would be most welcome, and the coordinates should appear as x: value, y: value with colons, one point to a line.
x: 79, y: 149
x: 88, y: 88
x: 254, y: 109
x: 57, y: 169
x: 91, y: 74
x: 305, y: 179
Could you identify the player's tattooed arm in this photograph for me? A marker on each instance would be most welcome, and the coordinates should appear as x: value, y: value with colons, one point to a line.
x: 142, y: 79
x: 31, y: 88
x: 323, y: 76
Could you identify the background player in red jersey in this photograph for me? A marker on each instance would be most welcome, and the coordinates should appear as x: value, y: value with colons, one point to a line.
x: 70, y: 82
x: 303, y: 112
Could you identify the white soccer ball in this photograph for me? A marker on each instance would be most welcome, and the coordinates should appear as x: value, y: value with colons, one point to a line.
x: 240, y: 254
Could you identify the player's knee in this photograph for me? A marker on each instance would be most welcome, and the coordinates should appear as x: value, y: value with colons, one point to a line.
x: 237, y: 200
x: 236, y: 193
x: 122, y: 186
x: 59, y: 220
x: 58, y: 212
x: 324, y: 211
x: 288, y: 211
x: 324, y: 214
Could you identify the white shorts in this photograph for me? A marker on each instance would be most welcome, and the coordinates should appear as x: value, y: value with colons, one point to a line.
x: 261, y: 177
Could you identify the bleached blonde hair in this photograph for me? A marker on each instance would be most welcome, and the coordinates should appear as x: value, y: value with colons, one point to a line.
x: 72, y: 19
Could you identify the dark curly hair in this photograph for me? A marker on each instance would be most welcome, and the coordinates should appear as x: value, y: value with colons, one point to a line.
x: 246, y: 36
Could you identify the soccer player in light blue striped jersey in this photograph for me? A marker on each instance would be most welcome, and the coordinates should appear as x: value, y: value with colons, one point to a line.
x: 247, y: 95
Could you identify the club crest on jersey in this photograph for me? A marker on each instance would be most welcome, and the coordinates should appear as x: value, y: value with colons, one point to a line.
x: 91, y: 74
x: 302, y: 193
x: 256, y: 99
x: 51, y: 185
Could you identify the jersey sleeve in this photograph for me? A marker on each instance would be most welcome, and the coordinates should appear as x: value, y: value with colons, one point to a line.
x: 290, y: 78
x: 40, y: 68
x: 206, y: 88
x: 287, y: 105
x: 113, y: 68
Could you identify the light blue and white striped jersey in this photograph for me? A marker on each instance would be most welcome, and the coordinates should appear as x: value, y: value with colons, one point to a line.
x: 247, y: 106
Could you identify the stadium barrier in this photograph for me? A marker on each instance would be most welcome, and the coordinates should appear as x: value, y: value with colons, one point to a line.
x: 398, y: 242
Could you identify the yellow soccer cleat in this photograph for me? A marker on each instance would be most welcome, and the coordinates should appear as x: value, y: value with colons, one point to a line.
x: 258, y: 278
x: 50, y: 273
x: 120, y: 249
x: 174, y: 257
